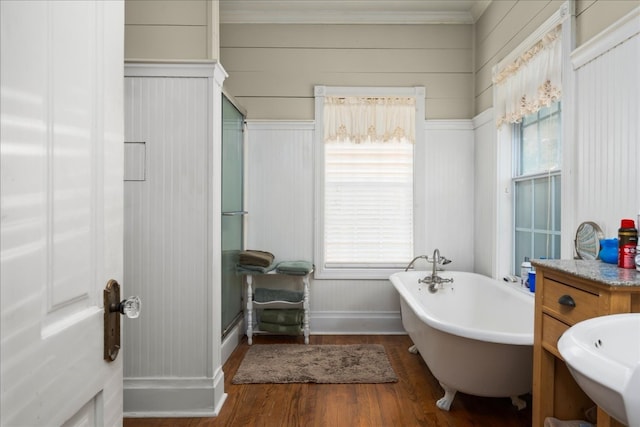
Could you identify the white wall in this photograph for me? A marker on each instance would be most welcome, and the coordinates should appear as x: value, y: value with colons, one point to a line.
x: 485, y: 182
x: 607, y: 148
x: 449, y: 191
x: 280, y: 220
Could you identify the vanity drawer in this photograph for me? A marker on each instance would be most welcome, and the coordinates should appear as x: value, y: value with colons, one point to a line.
x: 554, y: 293
x: 552, y: 329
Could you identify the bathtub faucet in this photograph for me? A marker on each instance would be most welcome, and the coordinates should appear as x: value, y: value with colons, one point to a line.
x: 437, y: 259
x: 434, y: 280
x: 414, y: 260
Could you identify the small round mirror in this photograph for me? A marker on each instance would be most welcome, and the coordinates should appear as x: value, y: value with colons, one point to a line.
x: 587, y: 241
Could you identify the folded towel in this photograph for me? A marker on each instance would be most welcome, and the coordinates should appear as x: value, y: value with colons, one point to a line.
x: 285, y: 316
x: 266, y: 295
x: 253, y: 257
x: 296, y: 268
x: 254, y: 269
x: 280, y: 329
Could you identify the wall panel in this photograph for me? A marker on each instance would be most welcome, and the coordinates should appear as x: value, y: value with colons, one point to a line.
x: 169, y: 12
x: 168, y: 42
x: 166, y: 227
x: 607, y: 151
x: 347, y: 36
x: 485, y: 180
x: 440, y: 85
x: 594, y: 16
x: 280, y: 189
x: 171, y: 29
x: 172, y: 248
x: 273, y: 68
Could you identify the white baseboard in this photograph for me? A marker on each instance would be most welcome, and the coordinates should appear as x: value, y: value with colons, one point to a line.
x: 359, y: 323
x: 232, y: 340
x: 166, y: 398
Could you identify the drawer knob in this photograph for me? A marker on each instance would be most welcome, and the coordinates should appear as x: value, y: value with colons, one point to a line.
x: 567, y: 301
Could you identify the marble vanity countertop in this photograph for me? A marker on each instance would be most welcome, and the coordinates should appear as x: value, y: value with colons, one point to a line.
x: 608, y: 274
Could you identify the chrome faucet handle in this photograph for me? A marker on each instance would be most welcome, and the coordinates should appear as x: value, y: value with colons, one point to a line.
x: 428, y: 280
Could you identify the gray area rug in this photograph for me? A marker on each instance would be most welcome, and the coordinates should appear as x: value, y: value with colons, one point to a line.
x: 322, y: 364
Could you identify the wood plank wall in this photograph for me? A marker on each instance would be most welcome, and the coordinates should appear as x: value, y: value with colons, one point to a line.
x: 274, y: 67
x: 171, y: 29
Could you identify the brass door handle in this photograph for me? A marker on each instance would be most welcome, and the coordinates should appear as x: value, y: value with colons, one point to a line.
x: 113, y: 307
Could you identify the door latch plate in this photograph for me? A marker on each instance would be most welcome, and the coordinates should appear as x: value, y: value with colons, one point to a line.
x: 111, y: 320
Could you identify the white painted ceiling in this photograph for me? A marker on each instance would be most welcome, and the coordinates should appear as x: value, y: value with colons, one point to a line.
x: 352, y: 11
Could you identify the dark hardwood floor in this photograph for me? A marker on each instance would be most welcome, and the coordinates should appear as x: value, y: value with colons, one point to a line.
x: 409, y: 402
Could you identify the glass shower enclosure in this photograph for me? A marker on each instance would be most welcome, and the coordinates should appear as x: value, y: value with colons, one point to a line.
x: 232, y: 212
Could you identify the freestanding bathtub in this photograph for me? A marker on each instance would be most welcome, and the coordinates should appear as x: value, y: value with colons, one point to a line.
x: 475, y: 334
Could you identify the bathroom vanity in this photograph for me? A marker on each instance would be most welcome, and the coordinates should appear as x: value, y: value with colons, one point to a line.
x: 567, y: 292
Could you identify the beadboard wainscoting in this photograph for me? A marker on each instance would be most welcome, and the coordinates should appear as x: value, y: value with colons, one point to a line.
x: 172, y: 357
x: 485, y: 216
x: 607, y: 141
x: 280, y: 174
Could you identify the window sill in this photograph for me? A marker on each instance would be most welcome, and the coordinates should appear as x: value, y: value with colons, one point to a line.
x: 354, y: 273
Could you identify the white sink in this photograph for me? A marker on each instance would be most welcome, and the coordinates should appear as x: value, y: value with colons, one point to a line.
x: 603, y: 355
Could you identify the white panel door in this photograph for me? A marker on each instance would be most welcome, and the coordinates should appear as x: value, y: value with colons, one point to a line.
x: 61, y: 205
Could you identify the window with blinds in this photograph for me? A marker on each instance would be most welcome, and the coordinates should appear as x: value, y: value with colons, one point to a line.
x: 365, y: 162
x: 368, y: 204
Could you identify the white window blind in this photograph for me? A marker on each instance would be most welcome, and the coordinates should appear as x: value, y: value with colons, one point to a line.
x: 365, y: 143
x: 368, y: 204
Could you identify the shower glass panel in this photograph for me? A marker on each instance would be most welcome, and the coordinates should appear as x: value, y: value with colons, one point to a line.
x: 232, y: 212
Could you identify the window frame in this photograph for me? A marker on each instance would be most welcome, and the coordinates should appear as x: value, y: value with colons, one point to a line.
x: 518, y: 176
x: 502, y: 243
x: 322, y: 271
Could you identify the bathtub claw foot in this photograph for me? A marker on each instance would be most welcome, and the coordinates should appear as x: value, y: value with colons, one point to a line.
x: 413, y: 349
x: 445, y: 402
x: 518, y: 403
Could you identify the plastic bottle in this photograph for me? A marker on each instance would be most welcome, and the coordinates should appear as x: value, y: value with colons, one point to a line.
x: 525, y: 268
x: 638, y: 250
x: 627, y: 242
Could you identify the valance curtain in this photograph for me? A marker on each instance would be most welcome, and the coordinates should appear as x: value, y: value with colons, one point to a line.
x: 369, y: 119
x: 531, y: 82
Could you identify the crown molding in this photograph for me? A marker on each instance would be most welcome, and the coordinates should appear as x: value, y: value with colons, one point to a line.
x: 350, y: 12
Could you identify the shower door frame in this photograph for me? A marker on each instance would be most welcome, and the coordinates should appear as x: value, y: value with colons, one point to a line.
x: 227, y: 325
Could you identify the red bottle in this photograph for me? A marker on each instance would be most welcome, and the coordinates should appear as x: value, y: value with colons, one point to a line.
x: 627, y: 242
